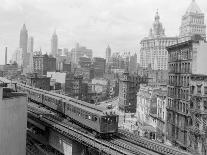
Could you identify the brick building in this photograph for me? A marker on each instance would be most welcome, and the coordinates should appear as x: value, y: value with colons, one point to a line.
x: 185, y: 59
x: 44, y: 63
x: 99, y: 66
x: 73, y: 85
x: 128, y: 87
x: 198, y: 115
x: 41, y: 82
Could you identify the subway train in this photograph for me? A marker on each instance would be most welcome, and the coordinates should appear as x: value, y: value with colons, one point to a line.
x: 101, y: 122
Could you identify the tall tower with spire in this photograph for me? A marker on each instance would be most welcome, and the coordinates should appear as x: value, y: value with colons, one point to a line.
x: 54, y: 44
x: 23, y: 42
x: 157, y: 28
x: 108, y: 54
x: 153, y: 47
x: 192, y: 22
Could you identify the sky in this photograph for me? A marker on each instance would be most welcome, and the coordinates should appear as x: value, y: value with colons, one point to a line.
x: 93, y: 23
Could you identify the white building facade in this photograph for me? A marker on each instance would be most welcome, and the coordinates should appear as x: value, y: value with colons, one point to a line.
x: 192, y: 22
x: 153, y: 50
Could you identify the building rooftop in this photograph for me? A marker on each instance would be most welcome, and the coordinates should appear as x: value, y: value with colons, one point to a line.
x: 193, y: 8
x: 10, y: 93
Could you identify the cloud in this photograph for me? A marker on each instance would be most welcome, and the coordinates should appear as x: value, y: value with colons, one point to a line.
x: 93, y: 23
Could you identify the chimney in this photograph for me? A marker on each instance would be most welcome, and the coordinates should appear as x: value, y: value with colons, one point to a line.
x: 5, y: 55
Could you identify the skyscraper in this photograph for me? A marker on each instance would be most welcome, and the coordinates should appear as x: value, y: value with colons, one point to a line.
x: 192, y: 22
x: 23, y: 43
x: 108, y: 54
x: 54, y: 44
x: 153, y: 50
x: 30, y: 44
x: 80, y: 51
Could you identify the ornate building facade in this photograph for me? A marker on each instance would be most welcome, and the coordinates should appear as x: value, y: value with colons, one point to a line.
x: 192, y: 22
x: 153, y: 48
x: 186, y: 59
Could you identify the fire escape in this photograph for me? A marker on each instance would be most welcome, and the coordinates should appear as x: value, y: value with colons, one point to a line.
x: 197, y: 130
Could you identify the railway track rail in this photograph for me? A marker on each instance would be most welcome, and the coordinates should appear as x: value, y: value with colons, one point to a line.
x: 151, y: 145
x: 119, y: 143
x: 126, y: 142
x: 99, y: 144
x: 133, y: 148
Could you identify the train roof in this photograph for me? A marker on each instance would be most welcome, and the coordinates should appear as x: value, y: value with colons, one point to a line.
x: 81, y: 104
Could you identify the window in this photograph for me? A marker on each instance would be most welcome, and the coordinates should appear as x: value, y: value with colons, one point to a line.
x: 205, y: 105
x: 205, y: 90
x: 199, y: 89
x: 192, y: 89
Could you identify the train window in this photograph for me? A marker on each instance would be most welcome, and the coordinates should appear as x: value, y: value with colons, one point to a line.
x: 89, y: 117
x: 104, y: 120
x: 94, y: 118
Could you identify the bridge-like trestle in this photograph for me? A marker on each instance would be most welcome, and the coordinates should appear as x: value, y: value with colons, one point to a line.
x: 123, y: 144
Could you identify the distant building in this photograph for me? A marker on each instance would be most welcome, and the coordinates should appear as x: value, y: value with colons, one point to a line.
x: 133, y: 64
x: 159, y: 116
x: 17, y: 57
x: 87, y: 73
x: 80, y: 51
x: 43, y: 64
x: 41, y: 82
x: 108, y: 54
x: 118, y: 61
x: 74, y: 84
x: 145, y: 97
x: 192, y: 23
x: 128, y: 87
x: 153, y: 48
x: 54, y: 44
x: 13, y: 121
x: 155, y: 77
x: 30, y: 45
x: 99, y: 66
x: 23, y: 44
x: 85, y: 62
x: 99, y: 85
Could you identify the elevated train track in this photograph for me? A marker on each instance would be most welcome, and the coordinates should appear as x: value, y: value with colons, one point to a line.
x: 125, y: 144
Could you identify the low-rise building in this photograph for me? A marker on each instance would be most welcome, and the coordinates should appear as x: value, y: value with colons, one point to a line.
x: 128, y: 87
x: 13, y: 122
x: 99, y: 66
x: 41, y: 82
x: 43, y: 64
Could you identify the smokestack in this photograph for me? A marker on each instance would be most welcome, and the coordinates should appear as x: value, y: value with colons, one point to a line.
x: 5, y: 55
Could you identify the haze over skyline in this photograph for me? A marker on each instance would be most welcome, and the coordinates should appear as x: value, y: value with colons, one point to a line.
x: 93, y: 23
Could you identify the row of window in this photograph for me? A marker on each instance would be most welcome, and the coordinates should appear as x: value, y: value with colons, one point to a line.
x: 50, y: 99
x: 82, y: 113
x: 178, y: 93
x: 199, y: 105
x: 178, y: 105
x: 183, y: 54
x: 198, y: 89
x: 180, y: 67
x: 179, y: 80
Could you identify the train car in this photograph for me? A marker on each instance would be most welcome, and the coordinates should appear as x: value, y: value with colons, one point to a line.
x: 103, y: 123
x: 36, y: 96
x: 54, y: 103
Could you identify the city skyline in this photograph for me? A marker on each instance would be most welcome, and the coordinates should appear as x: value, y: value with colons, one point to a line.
x: 93, y: 24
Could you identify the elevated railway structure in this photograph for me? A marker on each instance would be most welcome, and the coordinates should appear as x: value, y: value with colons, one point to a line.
x: 123, y: 143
